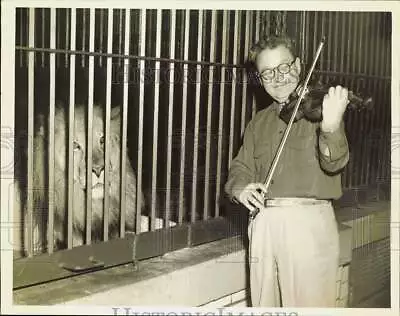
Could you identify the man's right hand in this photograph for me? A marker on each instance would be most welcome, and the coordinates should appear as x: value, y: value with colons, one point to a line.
x: 251, y: 196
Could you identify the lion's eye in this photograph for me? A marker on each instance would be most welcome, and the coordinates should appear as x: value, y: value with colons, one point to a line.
x: 76, y: 145
x: 101, y: 140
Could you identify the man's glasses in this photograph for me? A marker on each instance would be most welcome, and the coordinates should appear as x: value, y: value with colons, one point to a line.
x: 269, y: 74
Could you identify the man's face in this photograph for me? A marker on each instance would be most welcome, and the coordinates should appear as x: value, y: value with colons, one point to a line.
x: 281, y: 85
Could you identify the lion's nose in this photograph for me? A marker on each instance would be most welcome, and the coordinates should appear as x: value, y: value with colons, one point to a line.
x: 97, y: 170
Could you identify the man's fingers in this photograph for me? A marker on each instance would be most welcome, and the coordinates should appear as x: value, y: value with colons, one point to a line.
x: 331, y: 91
x: 258, y: 196
x: 255, y: 202
x: 249, y: 206
x: 261, y: 187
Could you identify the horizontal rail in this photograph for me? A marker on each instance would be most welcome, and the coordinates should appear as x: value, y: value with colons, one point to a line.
x: 146, y: 58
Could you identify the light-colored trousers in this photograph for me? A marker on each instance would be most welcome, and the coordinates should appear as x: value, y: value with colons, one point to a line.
x: 294, y: 256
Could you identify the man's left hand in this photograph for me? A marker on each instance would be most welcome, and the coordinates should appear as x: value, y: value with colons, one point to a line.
x: 333, y: 107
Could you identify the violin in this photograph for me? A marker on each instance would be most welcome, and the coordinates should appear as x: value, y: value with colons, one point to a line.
x: 311, y: 105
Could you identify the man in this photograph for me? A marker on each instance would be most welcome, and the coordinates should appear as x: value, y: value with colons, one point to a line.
x: 294, y: 241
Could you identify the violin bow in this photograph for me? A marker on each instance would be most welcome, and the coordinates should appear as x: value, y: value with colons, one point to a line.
x: 271, y: 171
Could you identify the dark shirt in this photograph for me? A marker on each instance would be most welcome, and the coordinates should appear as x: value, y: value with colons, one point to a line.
x: 305, y: 167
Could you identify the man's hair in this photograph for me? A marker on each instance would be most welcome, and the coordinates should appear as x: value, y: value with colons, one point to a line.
x: 271, y: 42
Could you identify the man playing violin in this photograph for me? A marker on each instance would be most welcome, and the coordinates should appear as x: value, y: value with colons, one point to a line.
x: 294, y: 240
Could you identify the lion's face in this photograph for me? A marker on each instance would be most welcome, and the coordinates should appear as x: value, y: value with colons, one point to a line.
x: 80, y: 147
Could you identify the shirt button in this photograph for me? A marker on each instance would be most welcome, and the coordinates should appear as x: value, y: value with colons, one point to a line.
x: 280, y: 132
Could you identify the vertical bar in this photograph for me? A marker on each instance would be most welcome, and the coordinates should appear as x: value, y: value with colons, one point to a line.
x: 315, y: 34
x: 110, y: 18
x: 19, y: 14
x: 43, y: 40
x: 83, y: 57
x: 322, y: 59
x: 31, y: 82
x: 377, y: 88
x: 244, y: 75
x: 329, y: 44
x: 170, y: 114
x: 71, y: 129
x: 257, y: 35
x: 120, y: 35
x: 262, y: 24
x: 209, y: 113
x: 249, y: 96
x: 335, y: 42
x: 101, y: 36
x: 367, y: 67
x: 197, y: 116
x: 303, y: 37
x: 142, y: 52
x: 233, y: 100
x: 58, y: 37
x: 221, y: 110
x: 353, y: 34
x: 155, y: 124
x: 125, y: 122
x: 50, y: 227
x: 267, y: 23
x: 386, y: 110
x: 67, y: 35
x: 89, y: 146
x: 184, y: 113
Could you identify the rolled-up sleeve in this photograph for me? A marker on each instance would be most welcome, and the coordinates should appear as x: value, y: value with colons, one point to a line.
x: 242, y: 169
x: 333, y: 149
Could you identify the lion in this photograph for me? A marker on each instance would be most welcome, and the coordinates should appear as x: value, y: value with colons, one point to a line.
x: 60, y: 193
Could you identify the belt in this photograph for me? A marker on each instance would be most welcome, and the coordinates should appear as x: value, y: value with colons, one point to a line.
x: 294, y: 202
x: 289, y: 202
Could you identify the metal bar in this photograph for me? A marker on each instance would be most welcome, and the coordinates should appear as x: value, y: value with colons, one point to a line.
x: 172, y: 35
x: 84, y: 36
x: 251, y: 41
x: 335, y: 43
x: 322, y: 59
x: 315, y: 33
x: 233, y: 100
x: 101, y: 36
x: 67, y: 35
x: 384, y: 60
x: 50, y: 222
x: 123, y: 56
x: 209, y: 113
x: 221, y: 112
x: 197, y: 117
x: 20, y: 41
x: 125, y: 122
x: 184, y: 113
x: 142, y: 49
x: 362, y: 118
x: 368, y: 65
x: 58, y: 37
x: 267, y: 23
x: 29, y: 223
x: 110, y: 17
x: 330, y: 47
x: 120, y: 35
x: 243, y: 77
x: 43, y: 39
x: 71, y: 130
x: 262, y: 24
x: 89, y: 146
x: 155, y: 123
x: 303, y: 37
x: 257, y: 36
x: 375, y: 86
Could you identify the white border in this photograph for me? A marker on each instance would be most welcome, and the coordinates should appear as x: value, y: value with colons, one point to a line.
x: 7, y: 119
